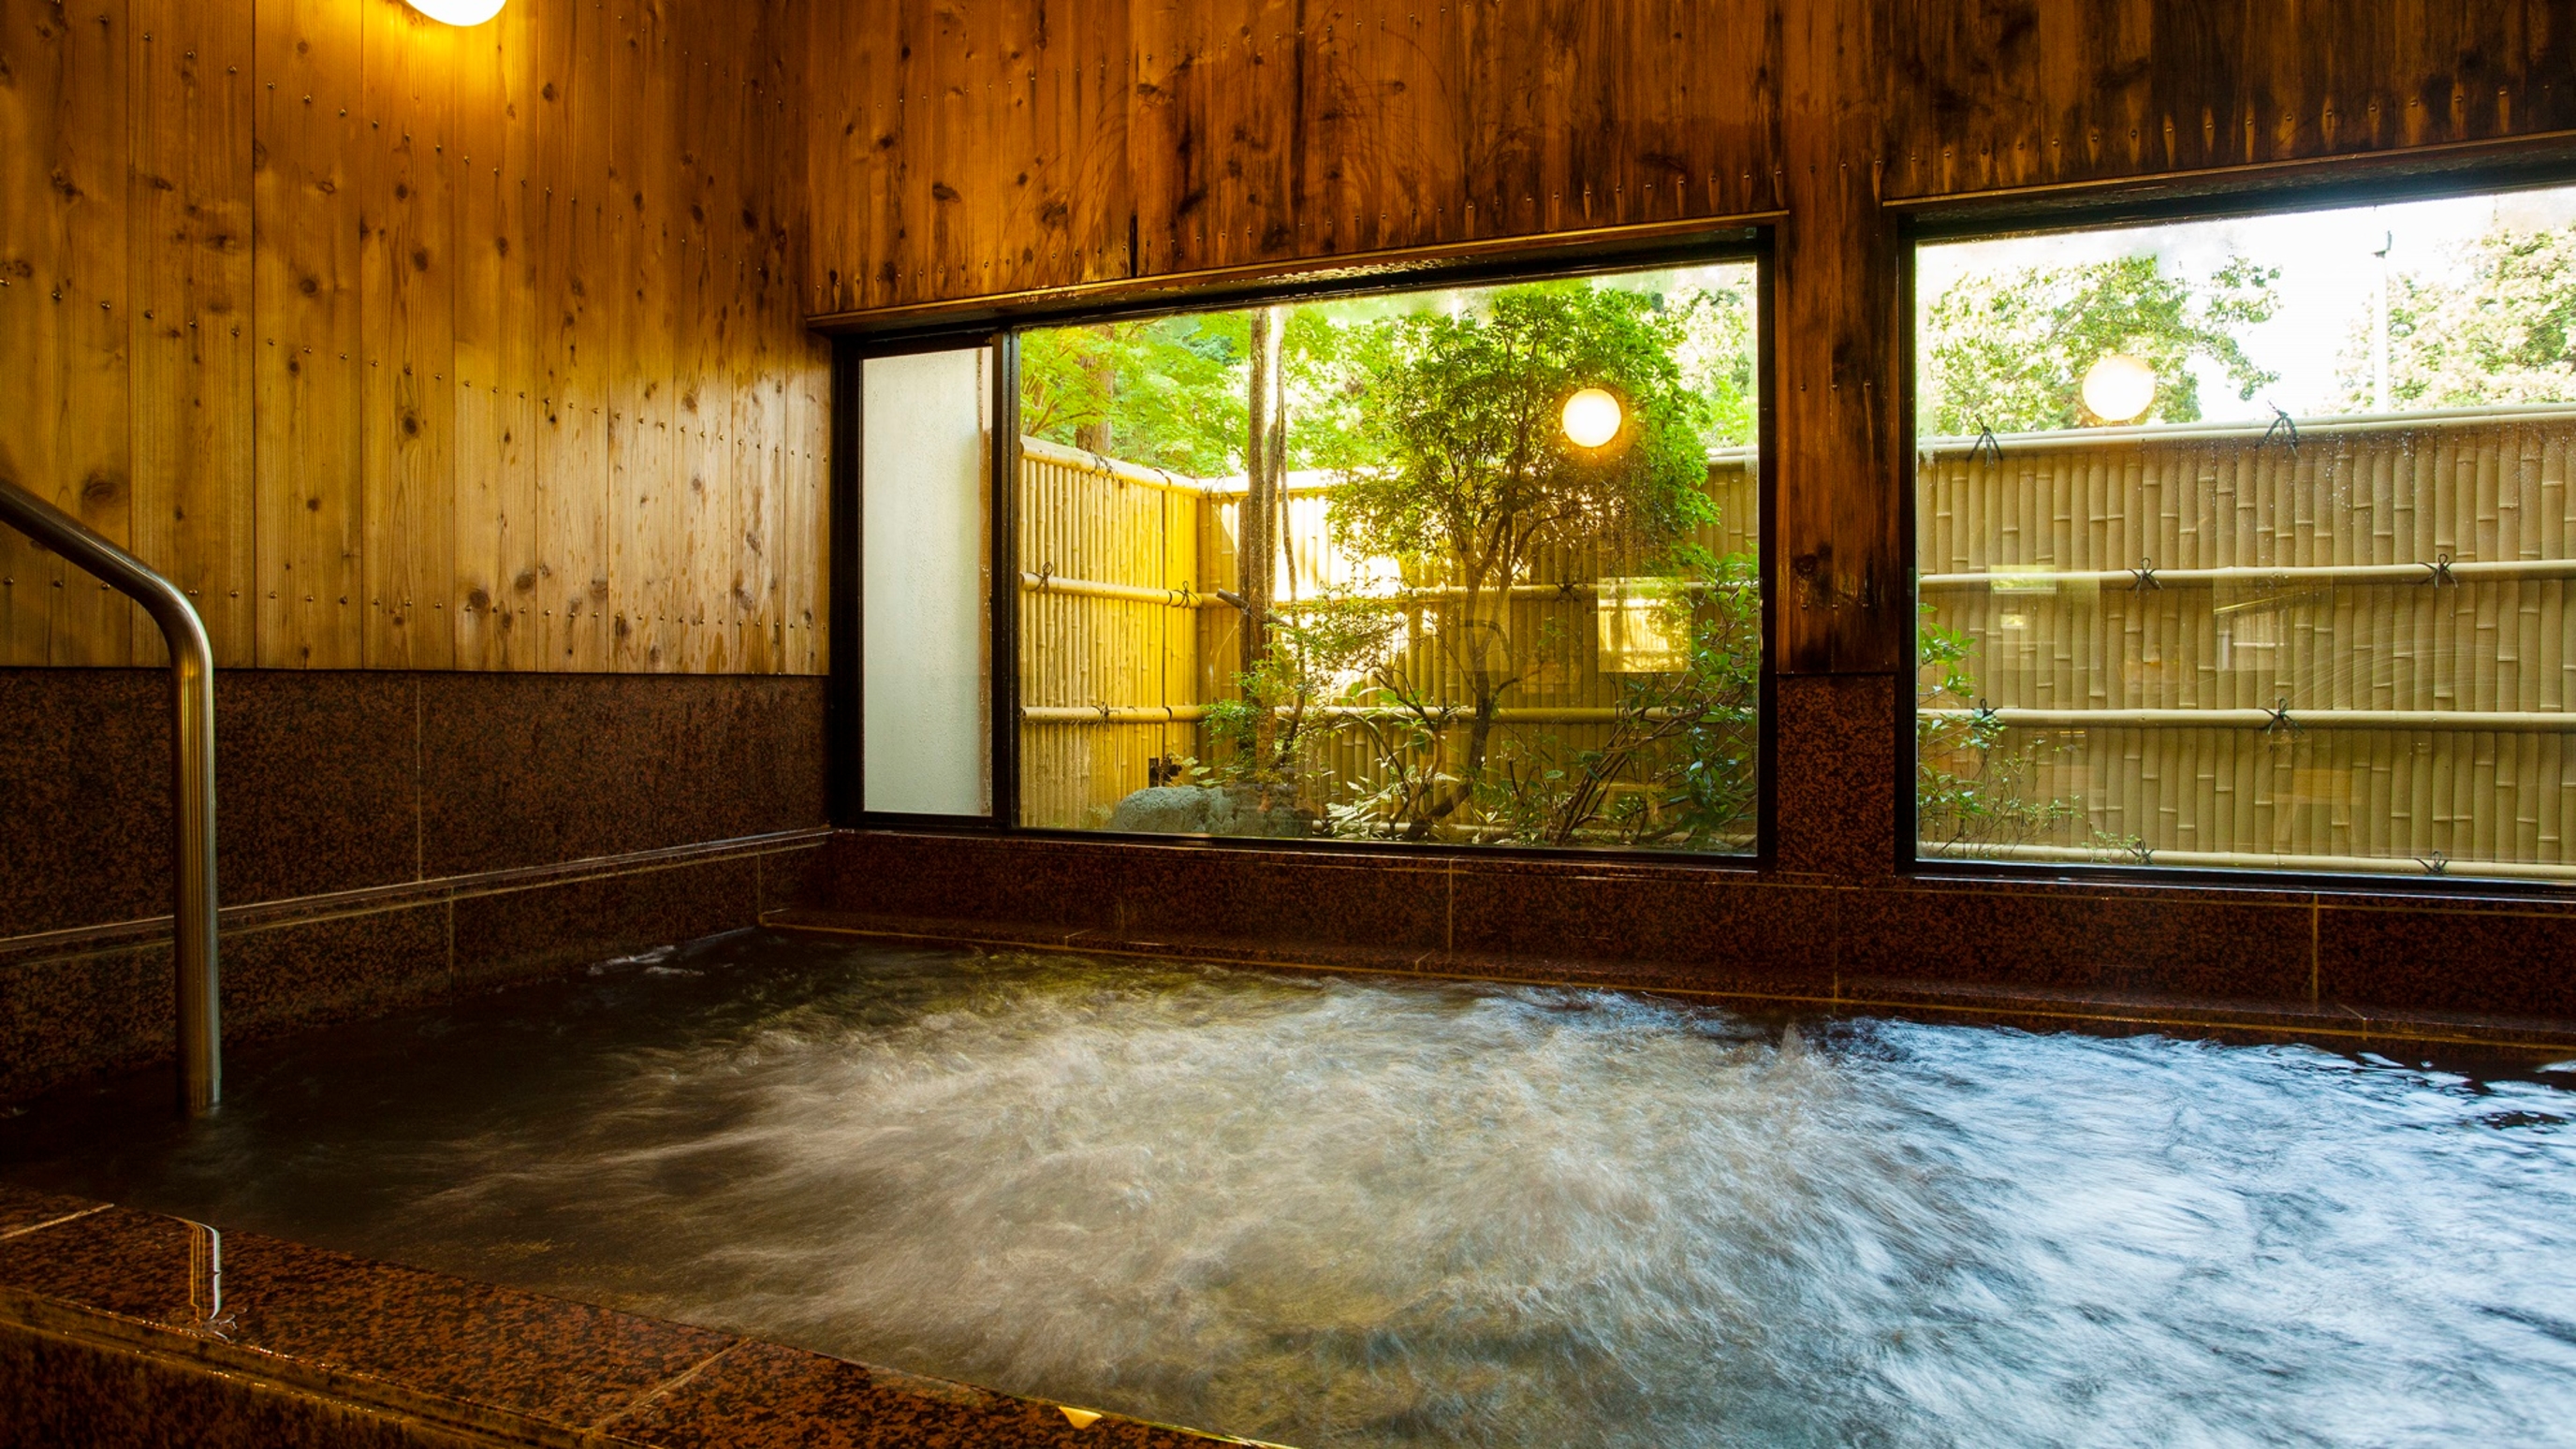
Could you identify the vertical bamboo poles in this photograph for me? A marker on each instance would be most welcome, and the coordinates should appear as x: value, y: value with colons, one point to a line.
x: 2481, y: 489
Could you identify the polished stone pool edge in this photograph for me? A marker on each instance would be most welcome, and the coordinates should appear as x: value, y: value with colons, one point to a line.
x: 2332, y: 1025
x: 122, y: 1326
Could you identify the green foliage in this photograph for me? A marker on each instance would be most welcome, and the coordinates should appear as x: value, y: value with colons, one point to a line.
x: 1169, y: 391
x: 1453, y: 455
x: 1677, y: 767
x: 1317, y: 652
x: 2504, y: 334
x: 2008, y: 351
x: 1717, y: 362
x: 1971, y: 784
x: 1441, y: 414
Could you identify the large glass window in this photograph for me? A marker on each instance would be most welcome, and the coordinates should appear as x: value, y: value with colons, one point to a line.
x: 2248, y: 543
x: 1468, y: 566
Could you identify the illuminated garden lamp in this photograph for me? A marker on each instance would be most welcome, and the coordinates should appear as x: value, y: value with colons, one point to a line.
x: 1592, y: 417
x: 2119, y: 388
x: 459, y: 12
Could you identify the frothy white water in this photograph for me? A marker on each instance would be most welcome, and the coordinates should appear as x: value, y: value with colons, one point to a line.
x: 1340, y: 1212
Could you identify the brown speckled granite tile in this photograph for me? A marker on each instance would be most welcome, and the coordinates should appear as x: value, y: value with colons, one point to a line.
x: 2202, y: 947
x: 337, y: 779
x: 314, y: 773
x: 1658, y: 925
x: 326, y: 1331
x: 23, y: 1208
x: 1834, y: 761
x: 1684, y: 926
x: 85, y: 836
x: 515, y: 934
x: 1379, y: 900
x: 795, y: 879
x: 61, y: 1392
x: 762, y: 1396
x: 564, y: 1363
x: 2508, y: 959
x: 63, y: 1016
x: 341, y: 968
x: 530, y: 769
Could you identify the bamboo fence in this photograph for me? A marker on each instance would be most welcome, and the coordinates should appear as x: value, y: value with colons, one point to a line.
x: 1126, y: 642
x: 2226, y: 649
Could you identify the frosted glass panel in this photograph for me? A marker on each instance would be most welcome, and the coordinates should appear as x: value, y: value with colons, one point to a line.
x: 926, y: 633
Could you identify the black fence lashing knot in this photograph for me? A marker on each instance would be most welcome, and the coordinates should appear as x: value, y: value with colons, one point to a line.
x: 1568, y: 589
x: 1046, y: 576
x: 2280, y: 712
x: 2282, y: 424
x: 2438, y: 572
x: 2437, y: 863
x: 1986, y: 444
x: 1987, y: 715
x: 2145, y: 574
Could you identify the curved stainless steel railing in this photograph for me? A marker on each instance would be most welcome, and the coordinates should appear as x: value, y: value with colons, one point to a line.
x: 192, y: 736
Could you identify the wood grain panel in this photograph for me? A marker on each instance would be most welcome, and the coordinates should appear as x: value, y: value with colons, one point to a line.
x: 190, y: 241
x: 566, y: 196
x: 495, y: 494
x: 993, y: 137
x: 710, y: 327
x: 309, y: 175
x: 644, y: 162
x: 63, y: 252
x: 342, y: 315
x: 407, y: 246
x: 1996, y: 94
x: 1839, y: 577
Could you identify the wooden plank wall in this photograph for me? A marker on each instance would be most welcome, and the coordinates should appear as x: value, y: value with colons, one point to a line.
x: 962, y: 151
x: 414, y: 347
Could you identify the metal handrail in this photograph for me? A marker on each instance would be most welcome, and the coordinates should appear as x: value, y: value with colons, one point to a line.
x: 192, y: 740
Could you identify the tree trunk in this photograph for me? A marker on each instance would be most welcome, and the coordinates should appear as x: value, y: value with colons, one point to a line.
x: 1257, y: 549
x: 1257, y: 546
x: 1098, y: 435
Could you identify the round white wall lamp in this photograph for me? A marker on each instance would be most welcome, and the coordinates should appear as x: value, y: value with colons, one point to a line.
x: 1592, y: 417
x: 2119, y: 388
x: 459, y: 12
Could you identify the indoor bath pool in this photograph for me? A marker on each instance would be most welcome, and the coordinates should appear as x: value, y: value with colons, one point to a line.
x: 1342, y: 1211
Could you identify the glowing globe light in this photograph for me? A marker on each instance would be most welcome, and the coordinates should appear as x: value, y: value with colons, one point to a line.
x: 2119, y: 388
x: 1592, y: 417
x: 459, y: 12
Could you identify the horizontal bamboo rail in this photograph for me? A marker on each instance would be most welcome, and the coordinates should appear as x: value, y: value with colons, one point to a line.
x: 2492, y: 721
x: 2148, y: 576
x: 1039, y: 450
x: 1113, y: 713
x: 1447, y: 715
x: 1047, y: 583
x: 2253, y: 860
x: 2262, y: 434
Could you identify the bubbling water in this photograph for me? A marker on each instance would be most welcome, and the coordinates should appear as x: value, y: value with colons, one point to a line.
x: 1333, y: 1212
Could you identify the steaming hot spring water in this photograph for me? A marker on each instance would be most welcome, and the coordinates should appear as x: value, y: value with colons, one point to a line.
x: 1344, y: 1211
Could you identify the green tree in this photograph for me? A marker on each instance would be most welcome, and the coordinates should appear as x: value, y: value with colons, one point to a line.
x: 2008, y: 351
x: 1166, y: 392
x: 2504, y: 333
x: 1455, y: 464
x: 1716, y: 357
